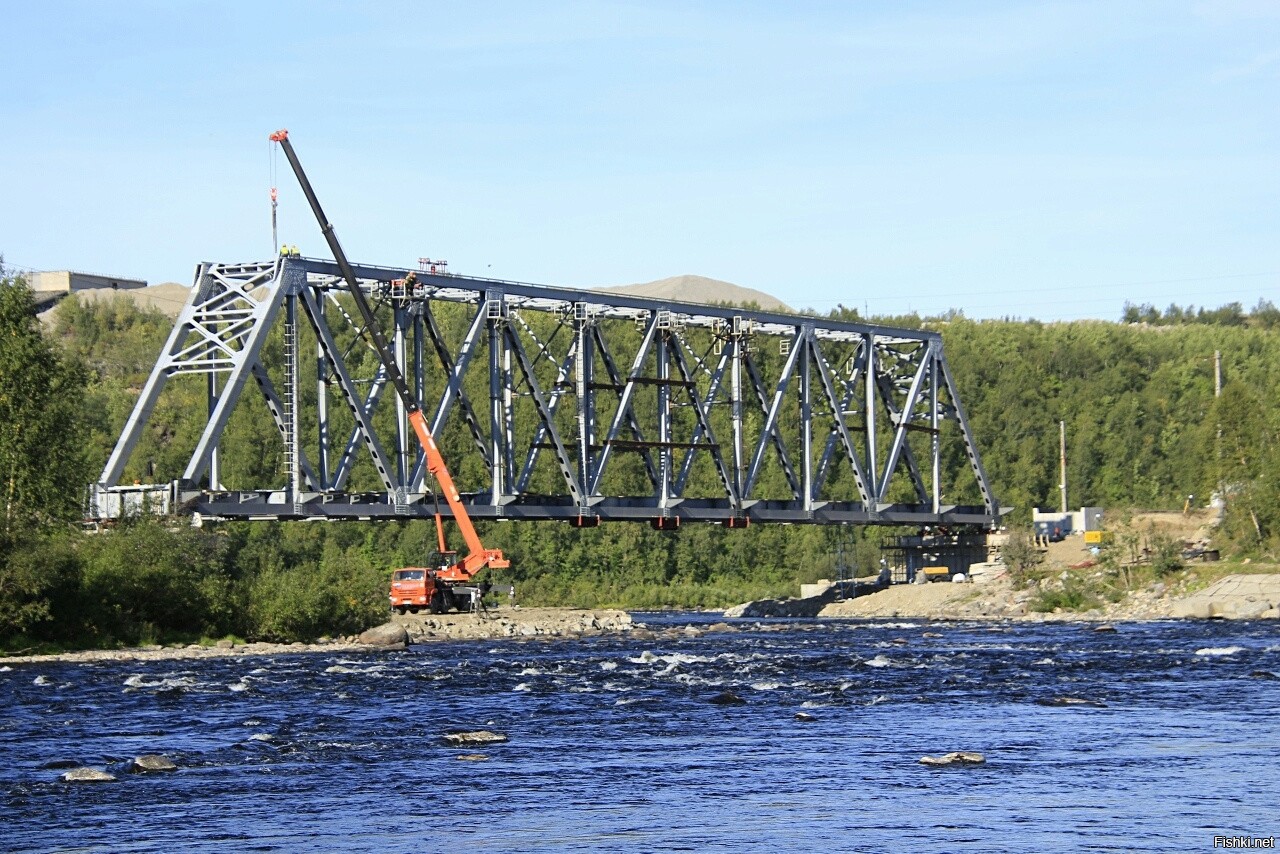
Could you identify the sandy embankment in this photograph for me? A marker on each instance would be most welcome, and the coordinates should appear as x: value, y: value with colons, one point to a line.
x: 1232, y: 597
x: 516, y: 623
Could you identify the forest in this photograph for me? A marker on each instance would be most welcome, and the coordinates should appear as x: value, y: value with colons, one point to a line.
x: 1145, y: 430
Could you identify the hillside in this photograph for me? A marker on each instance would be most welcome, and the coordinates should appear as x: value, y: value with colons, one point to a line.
x: 170, y: 297
x: 167, y: 298
x: 700, y: 289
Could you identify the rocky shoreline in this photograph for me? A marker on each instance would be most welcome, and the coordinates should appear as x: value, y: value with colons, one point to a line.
x: 1233, y: 597
x: 515, y: 623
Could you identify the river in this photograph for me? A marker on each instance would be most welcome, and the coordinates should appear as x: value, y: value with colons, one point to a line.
x: 615, y: 744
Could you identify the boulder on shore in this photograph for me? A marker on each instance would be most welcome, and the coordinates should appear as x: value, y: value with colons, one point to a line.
x: 1235, y: 597
x: 389, y: 635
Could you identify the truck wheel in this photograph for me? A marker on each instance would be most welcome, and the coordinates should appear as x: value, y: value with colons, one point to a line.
x: 437, y: 605
x: 399, y: 609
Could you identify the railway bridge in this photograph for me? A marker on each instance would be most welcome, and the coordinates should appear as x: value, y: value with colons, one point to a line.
x: 578, y: 405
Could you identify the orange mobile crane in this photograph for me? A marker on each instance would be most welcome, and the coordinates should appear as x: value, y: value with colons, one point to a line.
x: 435, y: 586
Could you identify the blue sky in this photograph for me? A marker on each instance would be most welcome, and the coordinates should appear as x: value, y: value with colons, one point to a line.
x: 1046, y: 160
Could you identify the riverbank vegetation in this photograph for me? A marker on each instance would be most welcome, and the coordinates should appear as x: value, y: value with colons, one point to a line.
x: 1144, y: 430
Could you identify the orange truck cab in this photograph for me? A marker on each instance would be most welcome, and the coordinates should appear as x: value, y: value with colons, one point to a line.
x: 414, y: 588
x: 411, y: 589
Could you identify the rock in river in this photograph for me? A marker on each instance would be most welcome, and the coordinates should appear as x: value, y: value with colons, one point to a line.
x: 1072, y: 701
x: 728, y: 698
x: 88, y: 775
x: 149, y: 762
x: 391, y: 635
x: 959, y: 757
x: 482, y: 736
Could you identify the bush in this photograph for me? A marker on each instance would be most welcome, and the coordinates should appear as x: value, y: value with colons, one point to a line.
x: 145, y: 582
x: 39, y: 576
x: 1020, y: 554
x: 1165, y: 552
x: 1073, y: 595
x: 341, y: 594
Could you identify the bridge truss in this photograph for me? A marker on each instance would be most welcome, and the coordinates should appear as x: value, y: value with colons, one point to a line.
x: 579, y: 405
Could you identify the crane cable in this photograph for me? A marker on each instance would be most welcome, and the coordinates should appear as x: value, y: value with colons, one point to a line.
x: 275, y: 240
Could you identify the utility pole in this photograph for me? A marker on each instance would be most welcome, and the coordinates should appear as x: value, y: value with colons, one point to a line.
x: 1062, y: 461
x: 1217, y: 393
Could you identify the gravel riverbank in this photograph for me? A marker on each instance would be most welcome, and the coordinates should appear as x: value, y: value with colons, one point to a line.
x: 528, y: 623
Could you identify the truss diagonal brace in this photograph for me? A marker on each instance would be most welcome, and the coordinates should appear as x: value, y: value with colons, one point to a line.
x: 365, y: 423
x: 562, y: 455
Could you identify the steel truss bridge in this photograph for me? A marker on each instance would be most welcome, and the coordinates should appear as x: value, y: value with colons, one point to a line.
x: 583, y: 406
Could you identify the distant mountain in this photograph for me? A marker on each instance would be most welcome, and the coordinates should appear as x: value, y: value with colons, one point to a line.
x: 700, y: 289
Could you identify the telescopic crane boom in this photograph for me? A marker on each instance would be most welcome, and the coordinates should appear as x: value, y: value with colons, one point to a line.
x: 477, y: 556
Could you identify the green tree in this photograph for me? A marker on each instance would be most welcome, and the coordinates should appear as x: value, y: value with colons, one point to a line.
x: 43, y: 465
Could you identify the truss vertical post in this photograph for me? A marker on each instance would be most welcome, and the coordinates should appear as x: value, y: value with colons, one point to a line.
x: 215, y: 463
x: 508, y: 417
x: 419, y: 392
x: 322, y: 408
x: 735, y: 400
x: 806, y: 420
x: 399, y: 346
x: 935, y: 424
x: 664, y: 421
x: 292, y: 400
x: 583, y: 380
x: 869, y: 415
x: 495, y: 308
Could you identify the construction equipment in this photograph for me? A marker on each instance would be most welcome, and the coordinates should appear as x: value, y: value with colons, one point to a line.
x: 448, y: 571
